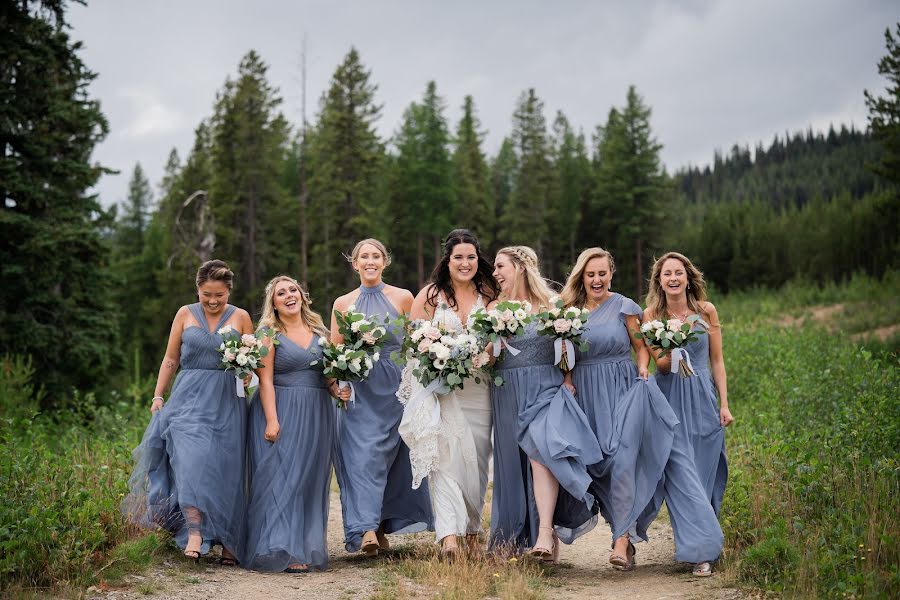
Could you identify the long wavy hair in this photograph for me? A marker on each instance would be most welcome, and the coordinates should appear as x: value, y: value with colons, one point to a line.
x: 525, y: 261
x: 696, y: 287
x: 440, y: 277
x: 573, y: 293
x: 270, y: 318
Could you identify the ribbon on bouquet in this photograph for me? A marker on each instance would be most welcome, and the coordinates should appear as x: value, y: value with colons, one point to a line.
x: 344, y: 385
x: 501, y: 343
x: 239, y: 384
x: 679, y: 355
x: 559, y: 347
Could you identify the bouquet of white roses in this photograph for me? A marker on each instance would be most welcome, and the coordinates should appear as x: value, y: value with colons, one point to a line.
x: 566, y: 325
x: 243, y: 353
x: 359, y: 331
x: 506, y: 320
x: 444, y: 358
x: 346, y: 364
x: 672, y: 335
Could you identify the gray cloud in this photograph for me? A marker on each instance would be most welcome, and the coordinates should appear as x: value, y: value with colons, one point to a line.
x: 715, y: 73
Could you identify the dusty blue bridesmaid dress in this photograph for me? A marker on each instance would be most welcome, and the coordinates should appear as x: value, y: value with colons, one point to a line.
x: 631, y: 419
x: 287, y: 516
x: 192, y: 454
x: 534, y: 417
x: 371, y: 461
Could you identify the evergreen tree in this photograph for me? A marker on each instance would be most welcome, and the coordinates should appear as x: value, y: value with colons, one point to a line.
x: 54, y: 283
x: 475, y: 201
x: 573, y: 172
x: 528, y: 212
x: 248, y: 200
x: 503, y: 173
x: 423, y: 202
x: 346, y: 157
x: 884, y: 112
x: 631, y: 187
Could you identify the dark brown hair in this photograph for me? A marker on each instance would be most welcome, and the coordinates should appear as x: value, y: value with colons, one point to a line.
x: 215, y: 270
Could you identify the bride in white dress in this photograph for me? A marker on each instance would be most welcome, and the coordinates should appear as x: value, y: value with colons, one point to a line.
x: 449, y: 435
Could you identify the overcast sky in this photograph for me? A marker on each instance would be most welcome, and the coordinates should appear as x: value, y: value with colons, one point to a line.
x: 715, y: 73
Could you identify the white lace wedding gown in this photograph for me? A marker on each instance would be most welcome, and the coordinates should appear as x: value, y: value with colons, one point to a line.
x: 449, y: 439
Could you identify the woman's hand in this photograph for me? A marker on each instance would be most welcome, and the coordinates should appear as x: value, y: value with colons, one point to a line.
x: 643, y: 372
x: 725, y: 416
x: 344, y: 394
x: 273, y: 429
x: 247, y: 379
x: 567, y: 383
x: 156, y: 405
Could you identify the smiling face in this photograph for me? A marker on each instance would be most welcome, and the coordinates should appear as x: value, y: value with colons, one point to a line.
x: 463, y: 263
x: 505, y: 273
x: 596, y: 279
x: 287, y: 298
x: 369, y: 264
x: 673, y: 278
x: 213, y: 296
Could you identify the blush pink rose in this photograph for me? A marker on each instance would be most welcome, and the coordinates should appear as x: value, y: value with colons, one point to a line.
x: 562, y: 325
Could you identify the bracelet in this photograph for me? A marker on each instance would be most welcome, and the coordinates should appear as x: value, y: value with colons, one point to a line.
x: 154, y: 398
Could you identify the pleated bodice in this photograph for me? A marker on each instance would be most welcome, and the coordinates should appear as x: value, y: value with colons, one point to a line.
x: 200, y: 347
x: 376, y: 306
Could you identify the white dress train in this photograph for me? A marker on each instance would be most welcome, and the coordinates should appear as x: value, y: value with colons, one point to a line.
x: 449, y: 439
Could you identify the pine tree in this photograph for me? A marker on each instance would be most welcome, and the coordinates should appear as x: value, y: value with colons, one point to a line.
x: 423, y: 201
x: 249, y: 202
x: 884, y: 112
x: 630, y: 186
x: 573, y: 173
x: 54, y: 282
x: 475, y: 201
x: 346, y: 157
x: 529, y: 211
x: 503, y: 173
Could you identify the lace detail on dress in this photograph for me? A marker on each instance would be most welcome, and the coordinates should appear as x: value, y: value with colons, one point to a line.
x: 431, y: 421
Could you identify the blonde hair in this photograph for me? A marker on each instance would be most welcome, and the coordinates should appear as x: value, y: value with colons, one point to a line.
x: 525, y: 261
x: 573, y: 293
x: 696, y: 287
x: 351, y: 258
x: 271, y: 320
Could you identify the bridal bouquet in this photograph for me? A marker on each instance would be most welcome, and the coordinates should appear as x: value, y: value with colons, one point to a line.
x: 243, y: 353
x: 506, y: 320
x: 672, y: 335
x: 444, y: 358
x: 346, y: 364
x: 359, y: 331
x: 567, y: 326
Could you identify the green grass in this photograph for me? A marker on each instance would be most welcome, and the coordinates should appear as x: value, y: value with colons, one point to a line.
x: 811, y: 508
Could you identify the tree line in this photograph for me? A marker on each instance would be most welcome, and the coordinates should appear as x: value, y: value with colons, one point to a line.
x: 271, y: 197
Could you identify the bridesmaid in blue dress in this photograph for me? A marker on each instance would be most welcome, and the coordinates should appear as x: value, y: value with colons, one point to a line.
x: 189, y: 472
x: 291, y: 439
x: 626, y: 410
x: 542, y: 439
x: 372, y: 462
x: 677, y: 289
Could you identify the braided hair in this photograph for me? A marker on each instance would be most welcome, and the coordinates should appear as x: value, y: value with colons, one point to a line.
x: 525, y: 261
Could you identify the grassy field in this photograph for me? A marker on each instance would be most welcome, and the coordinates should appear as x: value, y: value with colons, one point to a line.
x: 810, y: 511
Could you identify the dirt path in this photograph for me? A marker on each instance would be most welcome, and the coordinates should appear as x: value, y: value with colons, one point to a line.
x: 584, y: 573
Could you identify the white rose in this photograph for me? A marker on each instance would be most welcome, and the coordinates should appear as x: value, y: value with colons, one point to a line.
x: 440, y: 351
x: 521, y: 314
x: 562, y: 325
x: 354, y: 326
x: 432, y: 333
x: 554, y: 300
x: 224, y: 330
x: 241, y: 359
x: 674, y: 325
x: 355, y: 365
x: 555, y: 311
x: 375, y: 357
x: 645, y: 327
x: 323, y: 342
x: 368, y: 362
x: 576, y: 324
